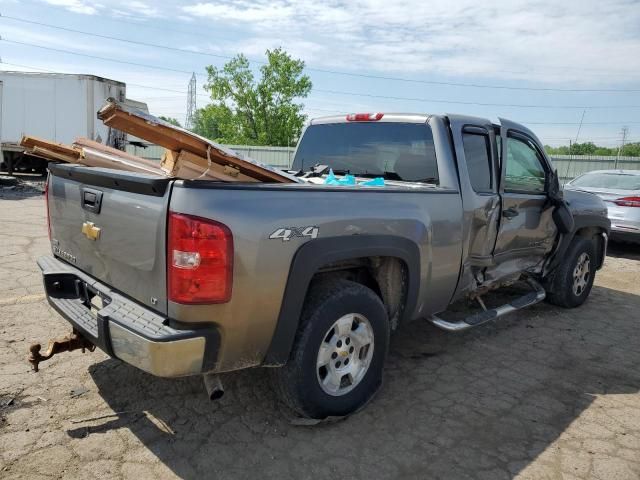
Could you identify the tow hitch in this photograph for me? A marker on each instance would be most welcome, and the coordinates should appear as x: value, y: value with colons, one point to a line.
x: 71, y: 342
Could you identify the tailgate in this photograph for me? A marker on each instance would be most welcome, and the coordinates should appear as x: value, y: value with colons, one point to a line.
x: 111, y: 225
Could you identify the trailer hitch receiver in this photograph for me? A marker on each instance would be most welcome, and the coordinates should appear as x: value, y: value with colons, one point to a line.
x: 71, y: 342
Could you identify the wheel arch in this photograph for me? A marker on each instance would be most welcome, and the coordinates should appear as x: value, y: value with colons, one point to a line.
x: 588, y: 226
x: 313, y: 256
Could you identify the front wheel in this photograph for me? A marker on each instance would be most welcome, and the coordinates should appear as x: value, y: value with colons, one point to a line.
x: 336, y: 363
x: 574, y: 278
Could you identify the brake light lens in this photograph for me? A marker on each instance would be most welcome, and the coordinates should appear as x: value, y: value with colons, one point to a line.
x: 199, y: 259
x: 364, y: 117
x: 46, y: 202
x: 628, y: 202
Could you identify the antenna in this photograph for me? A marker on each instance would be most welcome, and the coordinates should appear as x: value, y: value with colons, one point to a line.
x: 624, y: 133
x: 191, y: 102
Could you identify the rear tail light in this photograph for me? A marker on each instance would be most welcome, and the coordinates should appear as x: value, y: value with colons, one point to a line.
x: 46, y: 202
x: 199, y: 259
x: 364, y: 117
x: 628, y: 202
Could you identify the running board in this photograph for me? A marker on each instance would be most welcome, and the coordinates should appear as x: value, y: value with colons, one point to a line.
x: 537, y: 295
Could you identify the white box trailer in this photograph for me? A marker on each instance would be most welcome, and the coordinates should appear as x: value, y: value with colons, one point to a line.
x: 53, y: 106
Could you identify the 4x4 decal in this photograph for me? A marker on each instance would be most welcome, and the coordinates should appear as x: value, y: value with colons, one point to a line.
x: 287, y: 233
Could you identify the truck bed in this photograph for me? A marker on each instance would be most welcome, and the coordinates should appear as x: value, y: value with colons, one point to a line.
x: 269, y: 224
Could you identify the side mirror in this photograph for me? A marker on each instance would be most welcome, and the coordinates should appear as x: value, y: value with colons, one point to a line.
x: 562, y: 216
x: 554, y: 191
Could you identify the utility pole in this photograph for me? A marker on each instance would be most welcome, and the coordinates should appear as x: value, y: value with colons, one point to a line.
x: 566, y: 174
x: 191, y: 102
x: 624, y: 133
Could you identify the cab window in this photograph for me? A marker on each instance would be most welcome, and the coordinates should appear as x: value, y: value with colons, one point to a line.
x: 477, y: 154
x: 525, y: 167
x: 394, y: 151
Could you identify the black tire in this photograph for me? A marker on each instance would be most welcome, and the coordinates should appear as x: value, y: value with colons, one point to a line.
x: 298, y: 381
x: 562, y: 290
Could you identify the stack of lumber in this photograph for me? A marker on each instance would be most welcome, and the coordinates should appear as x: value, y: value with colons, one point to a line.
x: 50, y: 150
x: 89, y: 153
x: 187, y: 155
x: 96, y: 154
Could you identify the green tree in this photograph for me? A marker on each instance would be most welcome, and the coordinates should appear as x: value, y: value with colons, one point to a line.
x: 171, y: 120
x: 255, y: 112
x: 586, y: 148
x: 631, y: 150
x: 206, y: 121
x: 562, y: 150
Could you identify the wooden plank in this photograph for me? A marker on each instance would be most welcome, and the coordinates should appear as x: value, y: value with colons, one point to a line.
x: 98, y: 158
x: 113, y: 152
x: 29, y: 143
x: 173, y: 138
x: 188, y: 166
x: 51, y: 155
x: 169, y: 162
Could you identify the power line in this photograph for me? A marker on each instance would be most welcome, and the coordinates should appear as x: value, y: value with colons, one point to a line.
x: 432, y: 100
x: 97, y: 57
x: 337, y: 92
x: 151, y: 87
x: 327, y: 71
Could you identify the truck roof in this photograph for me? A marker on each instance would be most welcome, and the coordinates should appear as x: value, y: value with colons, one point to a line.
x: 388, y: 117
x: 54, y: 75
x: 423, y: 118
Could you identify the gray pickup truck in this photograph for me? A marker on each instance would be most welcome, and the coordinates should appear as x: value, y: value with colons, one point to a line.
x: 179, y: 277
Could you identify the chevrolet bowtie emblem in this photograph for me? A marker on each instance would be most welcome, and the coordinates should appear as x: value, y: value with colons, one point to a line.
x: 90, y: 231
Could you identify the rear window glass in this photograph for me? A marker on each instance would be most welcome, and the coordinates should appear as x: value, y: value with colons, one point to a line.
x: 477, y: 155
x: 614, y: 181
x: 395, y: 151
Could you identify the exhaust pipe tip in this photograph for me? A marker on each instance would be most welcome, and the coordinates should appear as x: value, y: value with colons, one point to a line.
x: 214, y: 387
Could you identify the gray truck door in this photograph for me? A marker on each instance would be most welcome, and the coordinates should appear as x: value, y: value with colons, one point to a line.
x: 477, y: 161
x: 527, y: 231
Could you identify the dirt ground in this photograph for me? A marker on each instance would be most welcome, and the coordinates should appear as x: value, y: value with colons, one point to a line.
x: 545, y: 393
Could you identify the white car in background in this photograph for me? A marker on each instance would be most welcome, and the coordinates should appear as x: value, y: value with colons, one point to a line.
x: 620, y: 190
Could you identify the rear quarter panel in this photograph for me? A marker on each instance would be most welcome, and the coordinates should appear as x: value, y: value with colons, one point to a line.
x: 430, y: 217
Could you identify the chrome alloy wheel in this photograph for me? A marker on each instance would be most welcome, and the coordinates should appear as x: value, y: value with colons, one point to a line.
x: 345, y: 354
x: 581, y: 274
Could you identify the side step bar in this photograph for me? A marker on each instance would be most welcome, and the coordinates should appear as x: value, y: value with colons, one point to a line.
x: 537, y: 295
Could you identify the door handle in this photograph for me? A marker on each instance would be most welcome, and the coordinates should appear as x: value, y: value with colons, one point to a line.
x: 510, y: 212
x: 91, y: 200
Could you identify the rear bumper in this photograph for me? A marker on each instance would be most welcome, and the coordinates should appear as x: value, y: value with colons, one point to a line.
x: 125, y: 329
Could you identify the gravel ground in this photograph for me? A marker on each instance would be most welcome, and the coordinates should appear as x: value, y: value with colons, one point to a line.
x: 545, y: 393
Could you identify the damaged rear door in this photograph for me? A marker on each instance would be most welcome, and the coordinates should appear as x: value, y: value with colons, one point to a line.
x: 477, y: 158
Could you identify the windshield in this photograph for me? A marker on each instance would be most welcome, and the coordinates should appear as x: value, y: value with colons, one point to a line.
x: 613, y: 181
x: 395, y: 151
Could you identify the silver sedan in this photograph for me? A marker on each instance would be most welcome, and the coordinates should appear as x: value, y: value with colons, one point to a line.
x: 620, y: 190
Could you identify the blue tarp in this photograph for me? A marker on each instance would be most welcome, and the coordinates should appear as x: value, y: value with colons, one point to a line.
x: 350, y: 180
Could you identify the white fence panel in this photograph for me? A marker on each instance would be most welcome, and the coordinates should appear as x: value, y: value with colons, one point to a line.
x: 571, y: 166
x: 568, y: 166
x: 275, y: 156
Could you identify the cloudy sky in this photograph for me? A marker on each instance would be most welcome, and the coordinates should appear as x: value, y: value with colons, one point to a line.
x: 540, y: 62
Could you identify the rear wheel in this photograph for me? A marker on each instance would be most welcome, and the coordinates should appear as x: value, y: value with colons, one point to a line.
x: 336, y: 363
x: 574, y: 278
